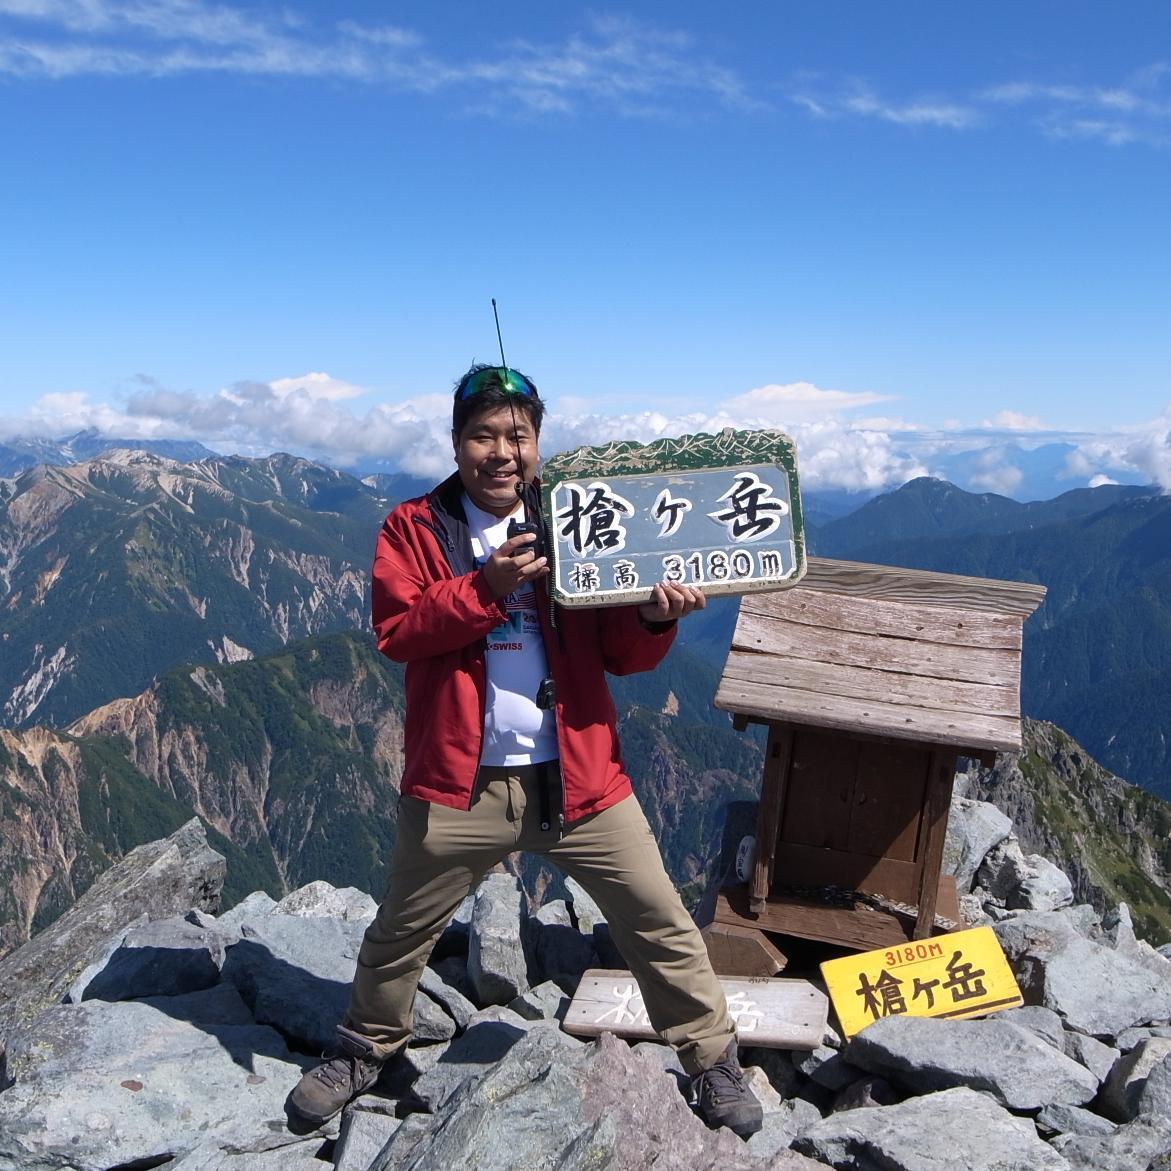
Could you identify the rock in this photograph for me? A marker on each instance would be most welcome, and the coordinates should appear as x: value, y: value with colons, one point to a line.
x: 1154, y: 1098
x: 778, y: 1065
x: 159, y: 879
x: 561, y: 952
x: 295, y: 1156
x: 1119, y: 930
x: 453, y: 1002
x: 363, y: 1135
x: 320, y: 899
x: 454, y: 940
x: 497, y: 966
x: 429, y: 1021
x: 586, y: 913
x: 1124, y: 1086
x: 254, y: 906
x: 954, y: 1128
x: 973, y: 828
x: 866, y: 1091
x: 972, y: 910
x: 453, y: 971
x: 165, y: 958
x: 1095, y: 989
x: 221, y: 1005
x: 828, y: 1068
x: 600, y: 1105
x: 1096, y: 1056
x: 1043, y: 1022
x: 103, y: 1084
x: 76, y: 991
x: 757, y: 1081
x: 1023, y: 882
x: 554, y: 913
x: 484, y: 1044
x: 781, y: 1126
x: 1073, y: 1120
x: 295, y: 975
x: 1128, y: 1148
x: 1014, y: 1065
x: 545, y: 1002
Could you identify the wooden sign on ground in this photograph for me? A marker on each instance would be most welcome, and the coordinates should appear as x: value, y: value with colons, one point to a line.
x: 774, y: 1014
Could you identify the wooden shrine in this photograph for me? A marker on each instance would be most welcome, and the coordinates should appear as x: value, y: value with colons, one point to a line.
x: 872, y: 681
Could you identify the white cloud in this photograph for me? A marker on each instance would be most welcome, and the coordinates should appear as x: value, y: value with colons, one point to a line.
x: 1014, y: 421
x: 632, y: 67
x: 859, y: 100
x: 1100, y: 481
x: 317, y: 415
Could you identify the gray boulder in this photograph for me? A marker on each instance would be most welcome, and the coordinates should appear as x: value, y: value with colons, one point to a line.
x: 451, y: 999
x: 956, y: 1128
x: 159, y: 879
x: 599, y: 1105
x: 1129, y: 1148
x: 497, y: 966
x: 484, y: 1044
x: 1094, y: 988
x: 1073, y: 1120
x: 363, y: 1135
x: 1012, y: 1064
x: 1124, y: 1089
x: 257, y: 905
x: 1044, y: 1022
x: 973, y: 828
x: 1021, y: 882
x: 320, y: 899
x: 103, y: 1084
x: 296, y: 1155
x: 165, y: 958
x: 544, y: 1002
x: 1095, y: 1055
x: 295, y: 974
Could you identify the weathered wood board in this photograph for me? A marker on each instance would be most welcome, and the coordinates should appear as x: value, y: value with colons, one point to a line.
x: 771, y: 1013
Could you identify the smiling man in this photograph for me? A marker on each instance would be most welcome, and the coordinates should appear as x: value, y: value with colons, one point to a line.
x: 511, y: 744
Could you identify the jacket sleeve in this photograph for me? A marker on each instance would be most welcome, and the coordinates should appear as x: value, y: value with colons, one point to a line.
x: 627, y: 645
x: 416, y: 614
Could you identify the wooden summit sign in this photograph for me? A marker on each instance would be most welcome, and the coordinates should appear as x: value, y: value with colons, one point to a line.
x: 718, y: 511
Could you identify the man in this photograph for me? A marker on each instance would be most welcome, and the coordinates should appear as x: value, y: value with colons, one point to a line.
x: 511, y: 744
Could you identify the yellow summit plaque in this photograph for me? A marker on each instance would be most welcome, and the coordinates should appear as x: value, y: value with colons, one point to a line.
x: 962, y: 974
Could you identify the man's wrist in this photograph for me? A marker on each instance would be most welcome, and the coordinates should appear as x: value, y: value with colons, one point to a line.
x: 655, y: 627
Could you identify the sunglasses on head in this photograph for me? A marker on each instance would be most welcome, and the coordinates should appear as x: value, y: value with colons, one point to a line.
x: 499, y: 377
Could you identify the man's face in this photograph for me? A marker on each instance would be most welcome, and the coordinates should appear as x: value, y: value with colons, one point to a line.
x: 496, y: 449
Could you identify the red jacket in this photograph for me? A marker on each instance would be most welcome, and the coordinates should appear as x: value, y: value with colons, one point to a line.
x: 432, y: 609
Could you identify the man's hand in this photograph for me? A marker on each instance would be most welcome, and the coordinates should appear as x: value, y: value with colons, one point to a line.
x: 670, y: 601
x: 514, y: 565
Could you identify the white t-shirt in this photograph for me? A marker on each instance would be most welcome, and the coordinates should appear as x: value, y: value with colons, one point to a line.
x: 516, y: 731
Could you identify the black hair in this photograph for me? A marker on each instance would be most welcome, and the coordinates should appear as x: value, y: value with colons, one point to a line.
x: 494, y: 395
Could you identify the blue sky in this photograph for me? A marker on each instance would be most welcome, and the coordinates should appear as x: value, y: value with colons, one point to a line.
x: 900, y: 231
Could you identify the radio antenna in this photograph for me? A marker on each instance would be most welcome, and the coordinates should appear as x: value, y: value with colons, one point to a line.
x: 499, y: 339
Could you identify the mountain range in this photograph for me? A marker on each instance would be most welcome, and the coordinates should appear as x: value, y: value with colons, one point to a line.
x: 183, y: 638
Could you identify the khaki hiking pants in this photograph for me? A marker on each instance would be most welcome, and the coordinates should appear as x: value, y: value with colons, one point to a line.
x: 441, y: 854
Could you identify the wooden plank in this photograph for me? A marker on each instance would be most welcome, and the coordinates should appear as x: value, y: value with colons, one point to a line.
x: 811, y: 866
x: 970, y: 733
x: 918, y: 585
x: 936, y: 808
x: 775, y: 636
x: 858, y: 682
x: 772, y: 798
x: 819, y: 796
x: 888, y: 801
x: 772, y: 1013
x: 812, y: 607
x: 736, y: 950
x: 860, y: 927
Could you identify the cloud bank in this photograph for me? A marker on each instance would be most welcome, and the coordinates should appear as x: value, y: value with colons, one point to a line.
x: 320, y: 416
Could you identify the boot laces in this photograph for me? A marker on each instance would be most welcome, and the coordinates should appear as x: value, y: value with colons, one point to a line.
x: 722, y: 1082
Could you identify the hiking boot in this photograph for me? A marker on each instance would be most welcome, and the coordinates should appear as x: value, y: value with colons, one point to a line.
x: 323, y: 1091
x: 723, y: 1098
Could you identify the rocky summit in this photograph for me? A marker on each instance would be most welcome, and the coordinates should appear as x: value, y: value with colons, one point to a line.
x: 142, y: 1030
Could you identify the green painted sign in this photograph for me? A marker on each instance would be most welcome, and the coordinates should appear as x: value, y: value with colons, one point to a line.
x: 719, y: 511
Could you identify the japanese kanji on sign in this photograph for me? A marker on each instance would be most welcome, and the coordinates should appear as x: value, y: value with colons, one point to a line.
x: 719, y: 511
x: 962, y: 974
